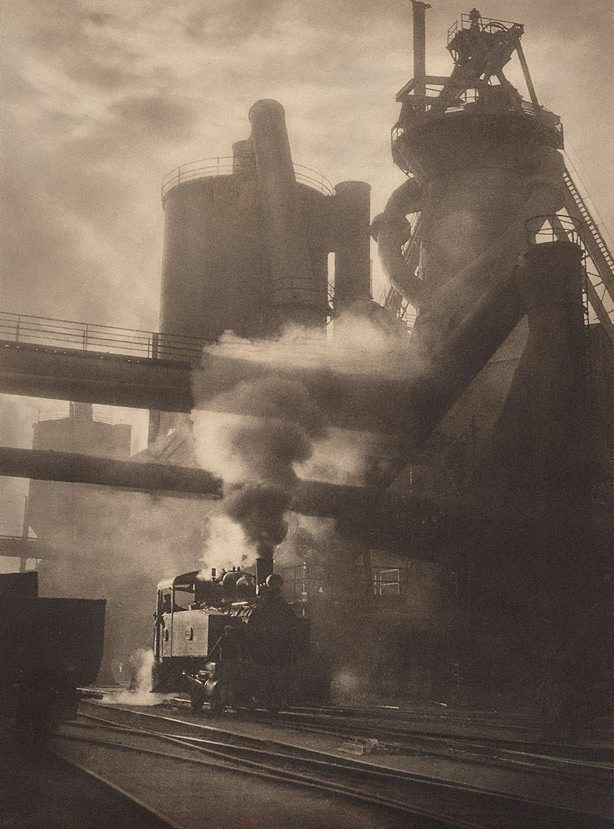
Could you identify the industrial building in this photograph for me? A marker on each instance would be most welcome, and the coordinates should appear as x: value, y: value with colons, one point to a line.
x: 472, y: 549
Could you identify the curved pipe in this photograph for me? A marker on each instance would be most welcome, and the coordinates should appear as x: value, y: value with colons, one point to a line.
x: 454, y: 347
x: 391, y: 230
x: 454, y: 303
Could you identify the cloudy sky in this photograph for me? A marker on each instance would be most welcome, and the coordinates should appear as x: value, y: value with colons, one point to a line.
x: 103, y: 97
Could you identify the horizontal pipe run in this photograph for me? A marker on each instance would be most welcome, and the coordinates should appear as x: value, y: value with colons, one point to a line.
x: 360, y: 513
x: 69, y: 467
x: 311, y: 497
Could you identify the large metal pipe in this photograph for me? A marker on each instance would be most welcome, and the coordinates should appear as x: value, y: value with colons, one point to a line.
x: 352, y: 243
x: 361, y: 513
x: 48, y: 465
x: 391, y: 230
x: 558, y: 370
x: 293, y: 292
x: 25, y: 548
x: 311, y: 497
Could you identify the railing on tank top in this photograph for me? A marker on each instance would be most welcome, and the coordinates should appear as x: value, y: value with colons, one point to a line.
x: 224, y: 166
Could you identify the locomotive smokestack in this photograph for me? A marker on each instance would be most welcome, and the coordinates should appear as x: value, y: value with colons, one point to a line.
x: 264, y: 568
x: 257, y: 454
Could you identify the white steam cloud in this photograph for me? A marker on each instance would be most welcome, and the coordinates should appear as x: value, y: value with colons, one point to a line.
x: 262, y: 433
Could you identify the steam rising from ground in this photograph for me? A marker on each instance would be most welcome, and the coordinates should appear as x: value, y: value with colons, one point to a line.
x: 141, y: 683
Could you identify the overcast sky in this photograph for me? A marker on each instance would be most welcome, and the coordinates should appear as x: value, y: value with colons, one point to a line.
x: 103, y: 98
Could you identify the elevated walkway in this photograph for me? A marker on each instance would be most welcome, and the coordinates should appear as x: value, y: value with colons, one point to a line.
x: 350, y: 399
x: 94, y: 377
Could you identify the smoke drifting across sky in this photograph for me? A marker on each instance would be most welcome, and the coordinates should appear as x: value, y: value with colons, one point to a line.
x: 101, y: 98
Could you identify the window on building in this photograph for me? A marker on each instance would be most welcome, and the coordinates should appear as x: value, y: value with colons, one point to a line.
x: 387, y: 582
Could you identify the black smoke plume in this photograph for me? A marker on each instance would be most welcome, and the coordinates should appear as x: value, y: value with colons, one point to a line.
x: 257, y: 452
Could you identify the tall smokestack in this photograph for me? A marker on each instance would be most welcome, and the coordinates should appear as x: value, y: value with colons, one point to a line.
x: 419, y: 13
x: 352, y: 244
x: 293, y: 287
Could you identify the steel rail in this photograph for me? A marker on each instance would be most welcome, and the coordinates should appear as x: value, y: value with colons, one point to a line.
x: 233, y: 764
x: 374, y: 773
x: 484, y: 751
x: 460, y: 751
x: 477, y: 752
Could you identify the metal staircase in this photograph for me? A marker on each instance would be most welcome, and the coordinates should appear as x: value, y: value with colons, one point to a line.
x: 393, y: 301
x: 600, y: 278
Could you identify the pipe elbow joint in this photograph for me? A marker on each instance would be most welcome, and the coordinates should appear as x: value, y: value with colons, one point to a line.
x: 395, y: 224
x: 407, y: 198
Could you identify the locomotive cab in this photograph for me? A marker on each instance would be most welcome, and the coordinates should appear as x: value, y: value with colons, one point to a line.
x: 187, y: 625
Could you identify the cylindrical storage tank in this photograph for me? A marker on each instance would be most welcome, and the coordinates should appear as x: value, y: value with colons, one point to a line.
x: 56, y: 509
x: 352, y: 218
x: 213, y: 274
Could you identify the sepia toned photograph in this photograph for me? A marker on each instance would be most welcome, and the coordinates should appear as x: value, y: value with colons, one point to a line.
x: 307, y: 415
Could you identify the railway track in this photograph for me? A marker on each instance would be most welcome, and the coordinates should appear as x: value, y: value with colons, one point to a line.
x: 398, y: 793
x: 591, y: 762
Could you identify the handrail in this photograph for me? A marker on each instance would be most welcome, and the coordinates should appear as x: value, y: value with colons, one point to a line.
x: 94, y: 337
x: 99, y: 339
x: 224, y: 166
x: 471, y: 101
x: 600, y: 285
x: 592, y: 226
x: 486, y: 24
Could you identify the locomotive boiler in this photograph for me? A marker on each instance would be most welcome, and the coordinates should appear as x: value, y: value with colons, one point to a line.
x: 232, y: 639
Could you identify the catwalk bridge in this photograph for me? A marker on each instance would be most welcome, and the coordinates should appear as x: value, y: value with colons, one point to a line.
x: 85, y: 362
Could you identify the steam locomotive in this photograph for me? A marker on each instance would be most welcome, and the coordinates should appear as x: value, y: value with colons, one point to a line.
x: 199, y: 621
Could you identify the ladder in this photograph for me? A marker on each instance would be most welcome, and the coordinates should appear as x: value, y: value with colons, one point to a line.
x: 600, y: 285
